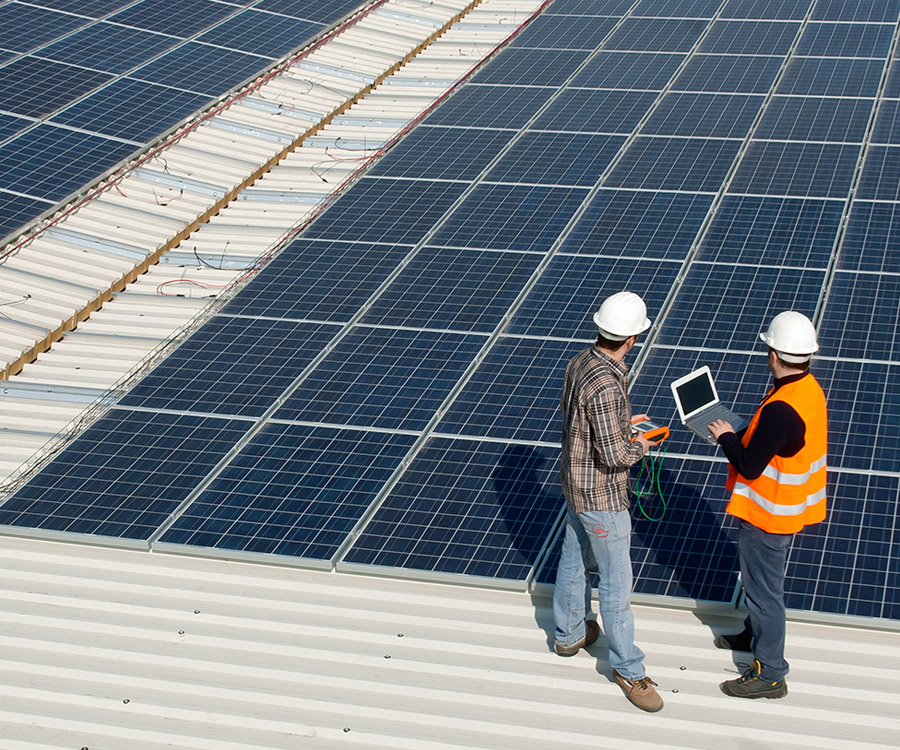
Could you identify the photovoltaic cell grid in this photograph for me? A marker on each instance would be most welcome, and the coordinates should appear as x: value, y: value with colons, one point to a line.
x: 481, y: 497
x: 122, y: 76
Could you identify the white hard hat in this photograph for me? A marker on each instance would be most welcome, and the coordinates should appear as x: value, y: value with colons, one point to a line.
x: 622, y: 315
x: 792, y: 336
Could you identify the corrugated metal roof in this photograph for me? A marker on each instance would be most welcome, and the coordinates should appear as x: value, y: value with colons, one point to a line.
x: 111, y: 649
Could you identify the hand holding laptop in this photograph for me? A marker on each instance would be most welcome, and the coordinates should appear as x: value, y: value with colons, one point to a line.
x: 699, y: 406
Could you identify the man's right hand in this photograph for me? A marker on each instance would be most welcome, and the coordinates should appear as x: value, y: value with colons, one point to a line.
x: 645, y: 444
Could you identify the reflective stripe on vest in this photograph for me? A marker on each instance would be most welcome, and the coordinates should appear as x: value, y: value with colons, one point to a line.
x: 790, y: 492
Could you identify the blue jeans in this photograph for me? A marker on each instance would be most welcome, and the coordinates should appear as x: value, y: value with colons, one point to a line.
x: 763, y: 557
x: 600, y: 539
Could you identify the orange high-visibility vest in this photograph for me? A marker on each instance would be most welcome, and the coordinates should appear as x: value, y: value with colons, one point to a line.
x: 790, y: 493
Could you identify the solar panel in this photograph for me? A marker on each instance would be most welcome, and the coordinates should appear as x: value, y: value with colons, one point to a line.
x: 323, y: 11
x: 466, y: 507
x: 261, y: 33
x: 531, y: 67
x: 557, y: 158
x: 590, y: 7
x: 750, y: 37
x: 678, y: 8
x: 657, y: 34
x: 711, y: 115
x: 794, y: 118
x: 862, y: 317
x: 725, y: 306
x: 436, y: 153
x: 878, y: 180
x: 293, y: 491
x: 738, y: 74
x: 511, y: 217
x: 848, y: 563
x: 16, y: 210
x: 563, y: 32
x: 872, y: 238
x: 773, y: 231
x: 655, y: 163
x: 596, y: 111
x: 573, y: 286
x: 797, y: 169
x: 201, y: 68
x: 131, y: 109
x: 819, y: 76
x: 856, y: 10
x: 318, y: 280
x: 628, y: 70
x: 383, y: 378
x: 846, y: 40
x: 489, y: 105
x: 639, y: 224
x: 33, y: 87
x: 184, y: 20
x: 235, y: 366
x: 759, y: 9
x: 454, y: 289
x: 124, y: 475
x: 887, y: 124
x: 25, y: 27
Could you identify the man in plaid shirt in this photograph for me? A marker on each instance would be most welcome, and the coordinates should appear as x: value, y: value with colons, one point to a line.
x: 597, y: 451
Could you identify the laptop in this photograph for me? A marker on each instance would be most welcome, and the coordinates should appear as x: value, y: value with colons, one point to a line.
x: 698, y: 404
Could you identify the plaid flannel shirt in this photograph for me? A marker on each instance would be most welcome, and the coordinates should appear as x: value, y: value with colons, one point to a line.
x: 596, y: 441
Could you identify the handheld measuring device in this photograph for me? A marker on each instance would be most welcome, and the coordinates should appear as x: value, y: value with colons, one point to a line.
x: 653, y: 432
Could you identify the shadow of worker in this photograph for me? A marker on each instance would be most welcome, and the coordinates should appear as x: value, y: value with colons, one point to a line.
x: 690, y: 551
x: 530, y: 502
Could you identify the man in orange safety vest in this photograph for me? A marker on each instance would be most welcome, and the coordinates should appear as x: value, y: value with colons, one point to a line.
x: 776, y: 476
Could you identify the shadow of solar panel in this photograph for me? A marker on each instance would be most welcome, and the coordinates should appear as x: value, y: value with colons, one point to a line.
x: 454, y: 289
x: 202, y: 68
x: 50, y: 162
x: 863, y: 413
x: 741, y: 381
x: 639, y: 224
x: 234, y: 366
x: 434, y: 153
x: 773, y: 231
x: 572, y: 287
x: 131, y: 109
x: 185, y: 19
x: 318, y: 280
x: 862, y: 317
x: 292, y: 490
x: 750, y: 38
x: 793, y: 118
x: 557, y: 158
x: 261, y: 33
x: 841, y: 10
x: 25, y: 27
x: 878, y: 180
x: 846, y: 40
x: 656, y: 35
x: 597, y: 111
x: 711, y: 115
x: 33, y: 87
x: 628, y: 70
x: 108, y: 47
x: 16, y: 210
x: 92, y: 8
x: 678, y: 8
x: 872, y: 238
x: 514, y: 394
x: 124, y: 475
x: 384, y: 378
x: 468, y: 508
x: 589, y: 7
x: 674, y: 164
x: 689, y: 553
x: 382, y: 209
x: 564, y: 32
x: 816, y: 76
x: 491, y: 106
x: 887, y: 123
x: 725, y: 306
x: 817, y: 170
x: 848, y: 564
x: 759, y: 9
x: 728, y: 74
x: 531, y: 67
x: 511, y: 217
x: 324, y: 11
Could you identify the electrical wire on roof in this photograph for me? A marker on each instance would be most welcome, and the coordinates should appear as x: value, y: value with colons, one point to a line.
x: 166, y: 202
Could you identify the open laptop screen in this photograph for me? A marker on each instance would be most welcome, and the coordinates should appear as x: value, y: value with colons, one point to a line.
x: 696, y: 393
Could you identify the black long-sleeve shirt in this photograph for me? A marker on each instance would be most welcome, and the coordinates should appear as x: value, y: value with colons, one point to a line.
x: 780, y: 432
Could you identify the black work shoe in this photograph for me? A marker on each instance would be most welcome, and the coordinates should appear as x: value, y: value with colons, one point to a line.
x: 737, y: 642
x: 751, y: 685
x: 592, y: 631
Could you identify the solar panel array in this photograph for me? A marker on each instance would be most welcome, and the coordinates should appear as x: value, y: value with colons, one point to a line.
x: 386, y: 390
x: 85, y: 85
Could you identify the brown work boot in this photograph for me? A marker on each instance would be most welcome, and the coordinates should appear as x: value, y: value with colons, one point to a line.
x: 592, y: 630
x: 640, y: 692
